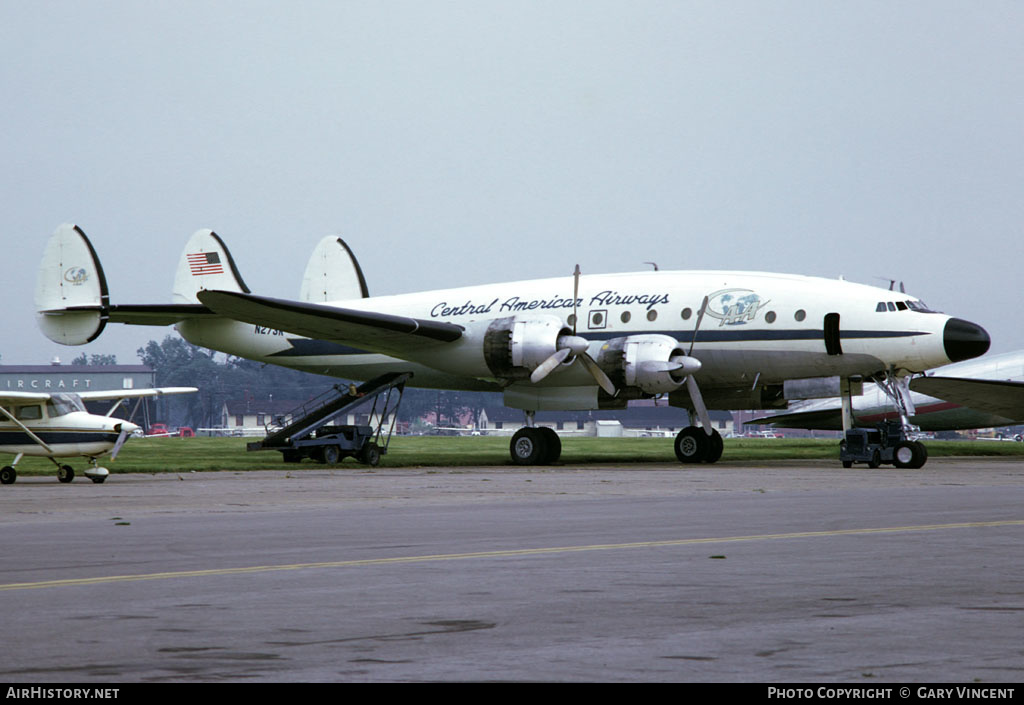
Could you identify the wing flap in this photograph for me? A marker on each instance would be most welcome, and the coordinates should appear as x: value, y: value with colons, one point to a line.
x: 377, y: 332
x: 1001, y: 397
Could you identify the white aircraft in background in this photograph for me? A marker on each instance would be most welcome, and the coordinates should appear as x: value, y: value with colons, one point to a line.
x: 983, y: 393
x: 57, y: 425
x: 707, y: 339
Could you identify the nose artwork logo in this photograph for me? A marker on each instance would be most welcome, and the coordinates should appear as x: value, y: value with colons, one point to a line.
x: 76, y: 275
x: 734, y: 306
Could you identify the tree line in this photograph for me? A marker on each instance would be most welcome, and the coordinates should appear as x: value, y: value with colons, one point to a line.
x: 225, y: 378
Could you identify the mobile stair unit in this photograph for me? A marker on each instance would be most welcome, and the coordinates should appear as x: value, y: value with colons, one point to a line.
x: 311, y: 435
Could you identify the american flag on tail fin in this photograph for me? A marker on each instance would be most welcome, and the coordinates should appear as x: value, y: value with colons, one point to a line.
x: 204, y: 263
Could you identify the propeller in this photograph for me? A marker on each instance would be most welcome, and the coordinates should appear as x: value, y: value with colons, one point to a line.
x: 691, y: 383
x: 123, y: 434
x: 574, y: 345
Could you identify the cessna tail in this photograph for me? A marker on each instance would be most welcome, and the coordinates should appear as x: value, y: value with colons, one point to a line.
x: 706, y: 339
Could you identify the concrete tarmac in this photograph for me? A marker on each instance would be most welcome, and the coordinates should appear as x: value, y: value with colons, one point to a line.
x: 769, y: 572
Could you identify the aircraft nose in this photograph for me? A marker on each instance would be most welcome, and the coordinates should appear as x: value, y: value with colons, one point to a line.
x: 964, y: 340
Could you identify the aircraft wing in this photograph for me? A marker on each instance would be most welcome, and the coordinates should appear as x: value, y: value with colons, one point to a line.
x: 1000, y: 397
x: 24, y: 396
x: 818, y: 419
x: 134, y: 393
x: 375, y: 332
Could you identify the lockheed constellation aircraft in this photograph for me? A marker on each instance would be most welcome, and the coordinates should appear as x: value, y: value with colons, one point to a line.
x: 58, y: 425
x: 706, y: 339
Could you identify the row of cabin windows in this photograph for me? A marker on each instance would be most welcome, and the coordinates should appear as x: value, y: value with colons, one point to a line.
x: 597, y: 318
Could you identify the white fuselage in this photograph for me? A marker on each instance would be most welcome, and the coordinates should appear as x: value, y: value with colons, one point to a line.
x: 77, y: 433
x: 759, y: 328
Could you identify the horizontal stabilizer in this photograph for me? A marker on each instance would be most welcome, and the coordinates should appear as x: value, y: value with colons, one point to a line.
x: 1000, y: 397
x: 71, y: 291
x: 376, y: 332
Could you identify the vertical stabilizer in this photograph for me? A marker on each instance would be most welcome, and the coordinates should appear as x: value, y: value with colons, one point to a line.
x: 333, y: 274
x: 71, y: 291
x: 205, y: 264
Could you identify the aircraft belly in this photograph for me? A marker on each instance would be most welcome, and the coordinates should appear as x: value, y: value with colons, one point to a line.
x: 725, y: 367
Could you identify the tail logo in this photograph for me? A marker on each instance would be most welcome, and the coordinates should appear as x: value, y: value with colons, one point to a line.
x: 201, y: 263
x: 76, y: 276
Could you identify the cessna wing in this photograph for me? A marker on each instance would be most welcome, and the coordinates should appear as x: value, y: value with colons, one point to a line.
x: 1000, y: 397
x: 376, y: 332
x: 100, y: 395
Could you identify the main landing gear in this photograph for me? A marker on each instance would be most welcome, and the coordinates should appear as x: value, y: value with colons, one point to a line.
x: 539, y: 445
x: 65, y: 473
x: 535, y: 445
x: 694, y: 445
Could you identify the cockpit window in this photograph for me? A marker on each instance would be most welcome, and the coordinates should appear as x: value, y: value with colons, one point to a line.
x: 901, y: 305
x: 880, y: 308
x: 919, y: 306
x: 61, y: 404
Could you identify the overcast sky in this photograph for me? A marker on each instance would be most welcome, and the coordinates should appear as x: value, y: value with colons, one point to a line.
x: 456, y: 143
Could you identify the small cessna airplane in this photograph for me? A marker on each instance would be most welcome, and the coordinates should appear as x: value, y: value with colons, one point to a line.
x: 983, y: 393
x: 707, y: 339
x: 57, y: 425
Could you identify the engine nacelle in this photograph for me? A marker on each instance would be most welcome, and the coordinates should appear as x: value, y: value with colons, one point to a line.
x: 515, y: 346
x: 655, y: 364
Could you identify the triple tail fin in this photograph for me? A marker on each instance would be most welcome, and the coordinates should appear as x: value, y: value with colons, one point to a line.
x: 205, y: 264
x: 333, y: 274
x: 72, y: 302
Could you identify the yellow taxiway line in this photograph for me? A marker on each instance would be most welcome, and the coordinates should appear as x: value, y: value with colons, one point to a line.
x: 102, y: 580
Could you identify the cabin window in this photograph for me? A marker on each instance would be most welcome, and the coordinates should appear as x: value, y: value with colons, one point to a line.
x: 625, y: 316
x: 652, y: 315
x: 571, y: 320
x: 800, y: 315
x: 29, y: 413
x: 769, y: 317
x: 686, y: 314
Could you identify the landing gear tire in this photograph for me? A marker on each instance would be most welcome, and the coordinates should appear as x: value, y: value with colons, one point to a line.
x: 528, y: 446
x: 8, y: 475
x: 553, y: 445
x: 909, y: 454
x: 924, y: 454
x: 692, y: 445
x: 715, y: 447
x: 65, y: 473
x: 370, y: 455
x: 98, y: 480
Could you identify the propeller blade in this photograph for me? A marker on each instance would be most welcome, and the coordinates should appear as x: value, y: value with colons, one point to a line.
x: 575, y: 296
x: 698, y: 404
x: 597, y: 373
x: 120, y: 441
x: 545, y: 368
x: 700, y: 317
